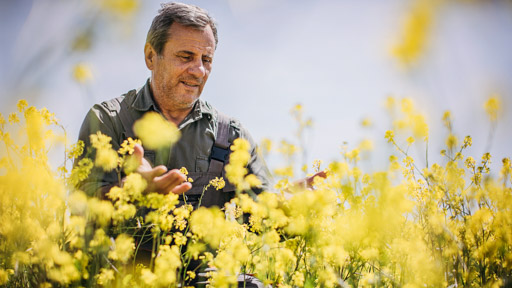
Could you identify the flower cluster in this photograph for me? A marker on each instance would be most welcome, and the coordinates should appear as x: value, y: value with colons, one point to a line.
x: 445, y: 224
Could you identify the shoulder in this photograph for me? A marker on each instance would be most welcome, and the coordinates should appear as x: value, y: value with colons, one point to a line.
x: 113, y: 106
x: 104, y: 117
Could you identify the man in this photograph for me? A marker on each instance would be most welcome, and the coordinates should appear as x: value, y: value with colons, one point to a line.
x: 179, y: 52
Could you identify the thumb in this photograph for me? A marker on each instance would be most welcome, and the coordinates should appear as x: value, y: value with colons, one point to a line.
x: 138, y: 152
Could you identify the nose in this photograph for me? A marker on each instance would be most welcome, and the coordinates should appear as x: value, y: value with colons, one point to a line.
x: 197, y: 69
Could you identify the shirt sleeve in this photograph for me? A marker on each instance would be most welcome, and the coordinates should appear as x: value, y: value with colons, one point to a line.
x: 98, y: 119
x: 257, y: 165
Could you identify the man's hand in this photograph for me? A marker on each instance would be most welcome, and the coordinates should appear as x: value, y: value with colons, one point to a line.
x: 309, y: 181
x: 158, y: 178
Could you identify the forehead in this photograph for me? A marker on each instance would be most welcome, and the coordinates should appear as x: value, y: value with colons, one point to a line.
x: 190, y: 39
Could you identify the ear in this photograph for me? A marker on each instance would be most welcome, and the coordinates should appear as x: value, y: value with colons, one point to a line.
x: 149, y: 56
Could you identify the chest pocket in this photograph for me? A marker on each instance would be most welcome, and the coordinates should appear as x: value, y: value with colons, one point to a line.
x: 202, y: 164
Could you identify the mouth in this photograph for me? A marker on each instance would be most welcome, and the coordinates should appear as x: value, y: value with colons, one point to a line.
x: 190, y: 84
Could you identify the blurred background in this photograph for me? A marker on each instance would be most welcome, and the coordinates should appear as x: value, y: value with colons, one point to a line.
x: 339, y: 59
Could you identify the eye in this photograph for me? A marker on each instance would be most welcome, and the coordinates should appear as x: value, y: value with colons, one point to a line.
x: 184, y: 57
x: 207, y: 60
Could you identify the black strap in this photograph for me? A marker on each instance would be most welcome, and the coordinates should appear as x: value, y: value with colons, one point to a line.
x: 220, y: 150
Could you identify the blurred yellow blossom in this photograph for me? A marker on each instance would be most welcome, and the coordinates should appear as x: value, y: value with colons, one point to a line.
x: 156, y: 132
x: 22, y: 104
x: 127, y: 146
x: 493, y: 107
x: 123, y: 248
x: 35, y: 128
x: 106, y: 157
x: 4, y: 277
x: 82, y: 73
x: 105, y: 277
x: 122, y: 7
x: 13, y: 118
x: 266, y: 146
x: 415, y: 32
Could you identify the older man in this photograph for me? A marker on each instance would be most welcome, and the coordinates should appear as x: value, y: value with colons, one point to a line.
x: 179, y: 52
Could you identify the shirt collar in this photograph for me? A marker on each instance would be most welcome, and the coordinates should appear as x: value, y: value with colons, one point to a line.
x: 144, y: 99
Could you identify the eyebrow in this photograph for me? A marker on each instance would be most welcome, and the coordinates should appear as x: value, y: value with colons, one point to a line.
x: 192, y: 53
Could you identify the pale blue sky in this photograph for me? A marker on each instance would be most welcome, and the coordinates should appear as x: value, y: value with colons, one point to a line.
x: 331, y: 56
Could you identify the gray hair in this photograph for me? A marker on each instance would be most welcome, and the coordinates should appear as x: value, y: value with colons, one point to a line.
x: 184, y: 14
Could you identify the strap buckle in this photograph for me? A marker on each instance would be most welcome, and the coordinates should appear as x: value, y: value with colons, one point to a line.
x: 219, y: 154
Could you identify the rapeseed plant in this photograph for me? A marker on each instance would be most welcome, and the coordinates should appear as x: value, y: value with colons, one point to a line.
x: 444, y: 224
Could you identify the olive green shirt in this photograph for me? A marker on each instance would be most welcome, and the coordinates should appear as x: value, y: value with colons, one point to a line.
x: 192, y: 151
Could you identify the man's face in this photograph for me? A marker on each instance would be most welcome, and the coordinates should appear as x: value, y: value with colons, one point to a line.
x: 179, y: 74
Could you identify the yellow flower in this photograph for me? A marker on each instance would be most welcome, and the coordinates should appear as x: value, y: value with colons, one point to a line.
x: 390, y: 136
x: 252, y: 181
x: 100, y: 210
x: 123, y: 249
x: 4, y: 277
x: 492, y: 107
x: 218, y: 183
x: 21, y: 105
x: 133, y: 186
x: 298, y: 279
x: 240, y: 144
x: 76, y: 149
x: 415, y: 32
x: 81, y: 171
x: 13, y: 118
x: 451, y: 141
x: 82, y: 73
x: 148, y: 277
x: 366, y: 145
x: 287, y: 149
x: 127, y: 146
x: 180, y: 239
x: 105, y: 277
x: 49, y: 118
x: 447, y: 119
x: 106, y: 158
x: 266, y: 146
x: 35, y: 128
x: 467, y: 142
x: 166, y: 264
x: 121, y: 7
x: 184, y: 170
x: 156, y: 132
x: 284, y: 171
x: 191, y: 274
x: 367, y: 122
x: 2, y: 121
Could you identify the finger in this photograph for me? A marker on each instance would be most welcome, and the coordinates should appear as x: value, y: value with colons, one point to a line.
x: 168, y: 181
x: 158, y: 171
x: 311, y: 180
x: 182, y: 188
x: 322, y: 174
